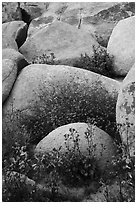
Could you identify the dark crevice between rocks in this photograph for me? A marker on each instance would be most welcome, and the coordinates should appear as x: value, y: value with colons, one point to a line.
x: 22, y: 36
x: 21, y: 64
x: 23, y: 14
x: 22, y: 33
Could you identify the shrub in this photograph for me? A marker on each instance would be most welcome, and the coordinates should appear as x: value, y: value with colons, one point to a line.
x: 66, y: 176
x: 100, y: 62
x: 102, y: 40
x: 54, y: 169
x: 73, y: 167
x: 124, y: 174
x: 44, y: 59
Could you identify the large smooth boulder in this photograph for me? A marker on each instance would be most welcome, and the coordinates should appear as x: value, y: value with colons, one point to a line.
x: 9, y: 73
x: 105, y: 20
x: 39, y: 23
x: 91, y: 141
x: 98, y: 18
x: 125, y: 111
x: 121, y: 45
x: 45, y: 97
x: 13, y: 32
x: 15, y: 56
x: 65, y: 41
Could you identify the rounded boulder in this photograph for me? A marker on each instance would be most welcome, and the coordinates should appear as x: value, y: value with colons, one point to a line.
x: 39, y: 23
x: 121, y: 45
x: 90, y: 140
x: 45, y: 97
x: 14, y: 34
x: 65, y: 41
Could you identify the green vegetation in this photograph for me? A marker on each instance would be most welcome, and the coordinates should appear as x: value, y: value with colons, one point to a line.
x: 123, y: 172
x: 69, y: 175
x: 44, y: 59
x: 124, y: 175
x: 56, y: 170
x: 65, y: 176
x: 100, y: 62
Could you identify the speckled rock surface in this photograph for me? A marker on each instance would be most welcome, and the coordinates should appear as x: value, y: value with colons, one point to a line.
x: 125, y: 111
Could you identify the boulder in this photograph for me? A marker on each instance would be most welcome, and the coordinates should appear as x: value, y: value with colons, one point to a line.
x: 45, y: 97
x: 38, y: 23
x: 14, y: 31
x: 65, y: 41
x: 125, y: 111
x: 90, y: 18
x: 35, y: 9
x: 9, y: 42
x: 121, y: 45
x: 105, y: 20
x: 9, y: 73
x: 10, y: 10
x: 91, y: 141
x: 70, y: 12
x: 15, y: 56
x: 44, y: 21
x: 98, y: 18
